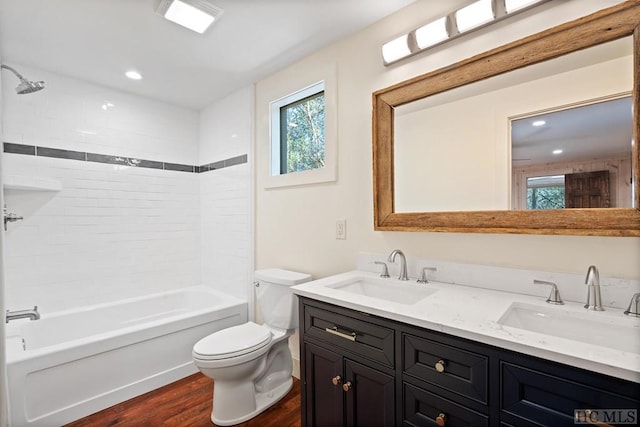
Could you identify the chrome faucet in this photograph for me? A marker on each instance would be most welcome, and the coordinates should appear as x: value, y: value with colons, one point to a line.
x: 594, y: 300
x: 403, y: 263
x: 634, y: 306
x: 554, y: 296
x: 22, y: 314
x: 9, y: 217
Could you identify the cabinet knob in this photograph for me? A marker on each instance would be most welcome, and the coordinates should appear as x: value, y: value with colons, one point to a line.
x: 441, y: 419
x: 440, y: 365
x: 346, y: 386
x: 336, y: 380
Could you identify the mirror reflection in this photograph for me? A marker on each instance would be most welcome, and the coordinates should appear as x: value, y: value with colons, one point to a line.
x: 578, y: 157
x: 474, y: 148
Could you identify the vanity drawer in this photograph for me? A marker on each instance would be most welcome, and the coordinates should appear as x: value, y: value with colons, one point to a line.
x: 423, y: 408
x: 361, y: 337
x: 550, y: 396
x: 454, y: 369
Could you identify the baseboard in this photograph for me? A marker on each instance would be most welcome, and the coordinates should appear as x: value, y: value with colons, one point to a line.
x: 296, y: 367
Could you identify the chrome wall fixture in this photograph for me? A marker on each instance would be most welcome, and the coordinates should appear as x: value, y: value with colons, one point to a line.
x: 462, y: 21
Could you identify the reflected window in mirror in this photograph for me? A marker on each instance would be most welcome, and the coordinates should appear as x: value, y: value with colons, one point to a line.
x: 581, y: 154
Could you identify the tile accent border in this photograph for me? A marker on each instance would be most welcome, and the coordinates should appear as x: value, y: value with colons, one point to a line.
x: 32, y: 150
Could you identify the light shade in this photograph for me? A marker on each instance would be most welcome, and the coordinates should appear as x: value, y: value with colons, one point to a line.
x: 396, y: 49
x: 511, y: 6
x: 432, y: 33
x: 474, y: 15
x: 196, y: 15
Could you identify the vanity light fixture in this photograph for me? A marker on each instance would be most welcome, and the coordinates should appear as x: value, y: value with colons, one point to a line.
x: 473, y: 16
x: 196, y: 15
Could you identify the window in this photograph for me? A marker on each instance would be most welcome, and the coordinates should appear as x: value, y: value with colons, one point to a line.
x: 298, y: 131
x: 545, y: 192
x: 303, y: 128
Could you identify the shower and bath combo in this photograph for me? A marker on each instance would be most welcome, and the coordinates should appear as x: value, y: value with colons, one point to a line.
x: 25, y: 86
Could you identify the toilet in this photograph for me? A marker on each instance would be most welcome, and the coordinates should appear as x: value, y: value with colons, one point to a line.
x: 251, y: 364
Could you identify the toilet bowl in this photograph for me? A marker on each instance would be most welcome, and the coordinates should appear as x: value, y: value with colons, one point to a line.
x: 251, y: 364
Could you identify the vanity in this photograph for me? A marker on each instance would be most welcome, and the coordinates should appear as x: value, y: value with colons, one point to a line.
x: 456, y: 356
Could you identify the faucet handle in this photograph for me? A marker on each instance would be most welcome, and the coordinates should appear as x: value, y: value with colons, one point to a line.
x: 423, y: 277
x: 554, y: 296
x: 385, y: 270
x: 634, y: 306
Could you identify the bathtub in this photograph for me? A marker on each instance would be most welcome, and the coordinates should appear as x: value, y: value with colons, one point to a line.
x: 73, y: 363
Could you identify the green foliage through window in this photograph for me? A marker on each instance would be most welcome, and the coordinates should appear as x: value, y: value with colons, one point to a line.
x: 302, y: 134
x: 545, y: 192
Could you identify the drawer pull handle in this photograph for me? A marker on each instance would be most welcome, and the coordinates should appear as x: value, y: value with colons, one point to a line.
x: 441, y: 419
x: 347, y: 386
x: 336, y: 380
x: 440, y: 365
x: 351, y: 336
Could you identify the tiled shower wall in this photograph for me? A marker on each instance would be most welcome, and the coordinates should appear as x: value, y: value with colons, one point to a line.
x: 225, y: 132
x: 113, y: 230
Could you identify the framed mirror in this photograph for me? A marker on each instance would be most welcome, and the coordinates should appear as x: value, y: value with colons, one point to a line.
x: 430, y: 177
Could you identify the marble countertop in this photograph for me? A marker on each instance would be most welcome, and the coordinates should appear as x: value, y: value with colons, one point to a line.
x: 473, y: 313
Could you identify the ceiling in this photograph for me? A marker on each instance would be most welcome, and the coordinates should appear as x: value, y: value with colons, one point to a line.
x: 98, y: 40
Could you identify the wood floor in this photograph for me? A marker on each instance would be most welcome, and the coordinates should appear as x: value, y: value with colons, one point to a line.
x: 187, y: 403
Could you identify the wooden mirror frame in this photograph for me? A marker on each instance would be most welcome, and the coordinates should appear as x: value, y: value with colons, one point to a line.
x: 606, y: 25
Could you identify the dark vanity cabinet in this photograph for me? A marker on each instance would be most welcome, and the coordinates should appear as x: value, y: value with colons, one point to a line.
x: 362, y: 370
x: 348, y: 379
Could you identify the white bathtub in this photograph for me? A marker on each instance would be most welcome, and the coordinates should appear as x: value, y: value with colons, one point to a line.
x: 72, y: 363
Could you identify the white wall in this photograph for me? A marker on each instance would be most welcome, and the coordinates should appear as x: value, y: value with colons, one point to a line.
x: 3, y: 365
x: 227, y: 250
x: 295, y: 227
x: 113, y: 231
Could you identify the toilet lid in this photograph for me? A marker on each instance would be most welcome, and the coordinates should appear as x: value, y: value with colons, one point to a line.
x: 232, y: 342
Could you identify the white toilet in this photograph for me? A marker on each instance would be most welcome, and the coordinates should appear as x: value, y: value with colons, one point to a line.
x: 251, y: 364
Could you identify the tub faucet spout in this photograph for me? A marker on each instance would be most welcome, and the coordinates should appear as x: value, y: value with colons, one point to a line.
x: 22, y: 314
x: 594, y: 300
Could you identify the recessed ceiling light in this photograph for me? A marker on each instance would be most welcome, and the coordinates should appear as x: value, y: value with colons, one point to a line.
x: 133, y: 75
x: 196, y: 15
x: 539, y: 123
x: 558, y: 151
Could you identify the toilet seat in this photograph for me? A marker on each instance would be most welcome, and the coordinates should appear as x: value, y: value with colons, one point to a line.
x: 232, y: 342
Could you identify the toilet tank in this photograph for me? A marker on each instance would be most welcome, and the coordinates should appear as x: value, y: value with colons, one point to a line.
x: 275, y: 300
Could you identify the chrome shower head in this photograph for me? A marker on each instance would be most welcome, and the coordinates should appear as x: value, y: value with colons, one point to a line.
x: 25, y: 86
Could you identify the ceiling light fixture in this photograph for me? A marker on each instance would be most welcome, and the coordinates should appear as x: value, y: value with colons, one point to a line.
x: 539, y: 123
x: 196, y: 15
x: 475, y: 15
x: 133, y: 75
x: 558, y: 151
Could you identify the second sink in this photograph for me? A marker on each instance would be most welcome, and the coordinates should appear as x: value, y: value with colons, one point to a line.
x: 592, y: 328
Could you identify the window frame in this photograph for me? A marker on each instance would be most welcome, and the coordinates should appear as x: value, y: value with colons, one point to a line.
x: 326, y: 80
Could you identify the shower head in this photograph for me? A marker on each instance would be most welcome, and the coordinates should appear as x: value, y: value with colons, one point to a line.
x: 25, y: 86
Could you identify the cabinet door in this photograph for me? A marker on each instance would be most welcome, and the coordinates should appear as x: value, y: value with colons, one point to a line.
x: 323, y: 401
x: 370, y: 396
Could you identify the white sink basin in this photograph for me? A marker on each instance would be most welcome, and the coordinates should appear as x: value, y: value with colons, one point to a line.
x: 596, y: 328
x: 401, y: 292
